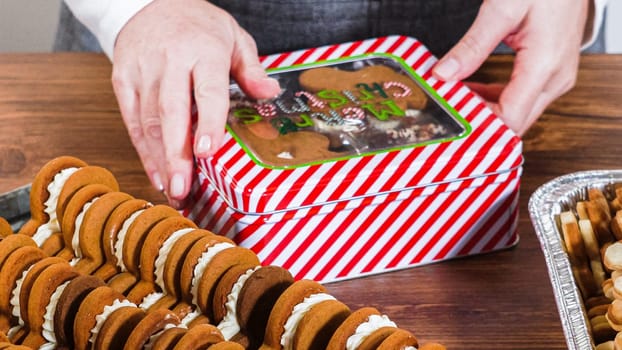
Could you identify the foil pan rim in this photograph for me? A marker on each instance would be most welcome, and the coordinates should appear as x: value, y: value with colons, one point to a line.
x: 545, y: 203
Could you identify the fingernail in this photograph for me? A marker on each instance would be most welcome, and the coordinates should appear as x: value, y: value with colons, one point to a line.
x: 447, y: 68
x: 177, y: 186
x: 156, y: 181
x: 203, y: 146
x: 274, y: 84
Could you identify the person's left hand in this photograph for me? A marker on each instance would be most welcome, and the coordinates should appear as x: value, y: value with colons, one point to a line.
x: 546, y: 36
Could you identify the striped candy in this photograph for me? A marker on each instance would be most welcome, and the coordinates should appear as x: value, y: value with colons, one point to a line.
x: 430, y: 203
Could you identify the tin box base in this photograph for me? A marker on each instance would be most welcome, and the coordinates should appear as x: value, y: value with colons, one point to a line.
x: 375, y: 234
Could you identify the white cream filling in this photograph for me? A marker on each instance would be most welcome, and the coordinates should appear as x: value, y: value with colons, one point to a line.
x: 163, y: 254
x: 101, y: 318
x: 48, y: 346
x: 54, y: 188
x: 118, y: 245
x: 410, y: 348
x: 48, y: 317
x: 149, y: 300
x: 297, y: 313
x: 201, y: 265
x: 373, y: 323
x: 190, y: 317
x: 229, y: 325
x: 16, y: 311
x: 75, y: 240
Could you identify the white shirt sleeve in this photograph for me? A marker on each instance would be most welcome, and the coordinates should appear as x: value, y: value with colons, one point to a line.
x: 594, y: 22
x: 106, y: 18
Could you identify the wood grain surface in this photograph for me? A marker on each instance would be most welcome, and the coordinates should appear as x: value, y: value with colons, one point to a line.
x: 63, y: 104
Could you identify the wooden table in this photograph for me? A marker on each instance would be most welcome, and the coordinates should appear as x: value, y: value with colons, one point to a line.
x: 63, y: 104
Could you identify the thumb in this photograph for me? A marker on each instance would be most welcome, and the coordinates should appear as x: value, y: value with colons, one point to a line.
x: 495, y: 21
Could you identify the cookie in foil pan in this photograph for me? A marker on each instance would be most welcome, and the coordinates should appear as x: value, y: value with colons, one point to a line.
x: 572, y: 217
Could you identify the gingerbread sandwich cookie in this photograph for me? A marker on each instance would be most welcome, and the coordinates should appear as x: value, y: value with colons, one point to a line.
x: 72, y: 221
x: 191, y: 270
x: 91, y: 234
x: 153, y: 254
x: 365, y: 328
x: 21, y: 295
x: 12, y: 270
x: 117, y: 327
x: 42, y: 303
x: 116, y: 227
x: 93, y: 311
x: 149, y: 328
x: 168, y: 338
x: 258, y: 295
x: 67, y: 307
x: 44, y: 192
x: 288, y: 310
x: 129, y: 244
x: 211, y: 266
x: 199, y: 337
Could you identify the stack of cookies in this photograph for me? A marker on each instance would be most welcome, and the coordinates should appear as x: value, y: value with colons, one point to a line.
x: 592, y: 234
x: 96, y: 268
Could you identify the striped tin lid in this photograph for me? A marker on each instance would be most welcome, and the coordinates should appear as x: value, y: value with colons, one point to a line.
x: 483, y: 146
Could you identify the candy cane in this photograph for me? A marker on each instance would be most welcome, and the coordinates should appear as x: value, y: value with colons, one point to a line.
x: 406, y: 90
x: 315, y: 102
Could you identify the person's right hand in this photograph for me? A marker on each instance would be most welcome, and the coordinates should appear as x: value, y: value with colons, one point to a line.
x: 169, y: 51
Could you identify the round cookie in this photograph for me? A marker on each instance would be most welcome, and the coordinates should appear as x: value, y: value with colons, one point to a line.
x: 67, y: 307
x: 373, y: 340
x: 42, y: 303
x: 117, y: 328
x: 168, y: 338
x: 75, y: 211
x: 151, y: 254
x: 39, y: 193
x: 12, y: 270
x: 283, y: 308
x: 214, y: 269
x: 92, y: 305
x: 153, y: 323
x: 87, y: 175
x: 399, y: 339
x: 256, y: 299
x: 138, y: 231
x: 176, y: 258
x: 318, y: 325
x: 5, y: 228
x: 191, y: 260
x: 110, y: 234
x: 9, y: 244
x: 199, y: 337
x: 348, y: 327
x: 28, y: 282
x: 91, y: 234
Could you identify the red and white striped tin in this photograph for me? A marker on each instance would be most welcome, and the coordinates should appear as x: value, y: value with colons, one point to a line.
x: 374, y: 212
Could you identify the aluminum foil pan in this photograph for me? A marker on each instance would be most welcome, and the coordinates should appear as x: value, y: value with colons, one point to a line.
x: 545, y: 205
x: 15, y: 206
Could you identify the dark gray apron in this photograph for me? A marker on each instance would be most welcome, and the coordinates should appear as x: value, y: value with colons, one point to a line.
x: 279, y: 26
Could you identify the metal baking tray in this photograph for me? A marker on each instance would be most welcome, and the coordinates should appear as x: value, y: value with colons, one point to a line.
x: 545, y: 205
x: 15, y: 206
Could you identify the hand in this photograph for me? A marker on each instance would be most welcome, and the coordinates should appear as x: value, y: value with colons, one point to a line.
x: 546, y: 36
x: 167, y: 52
